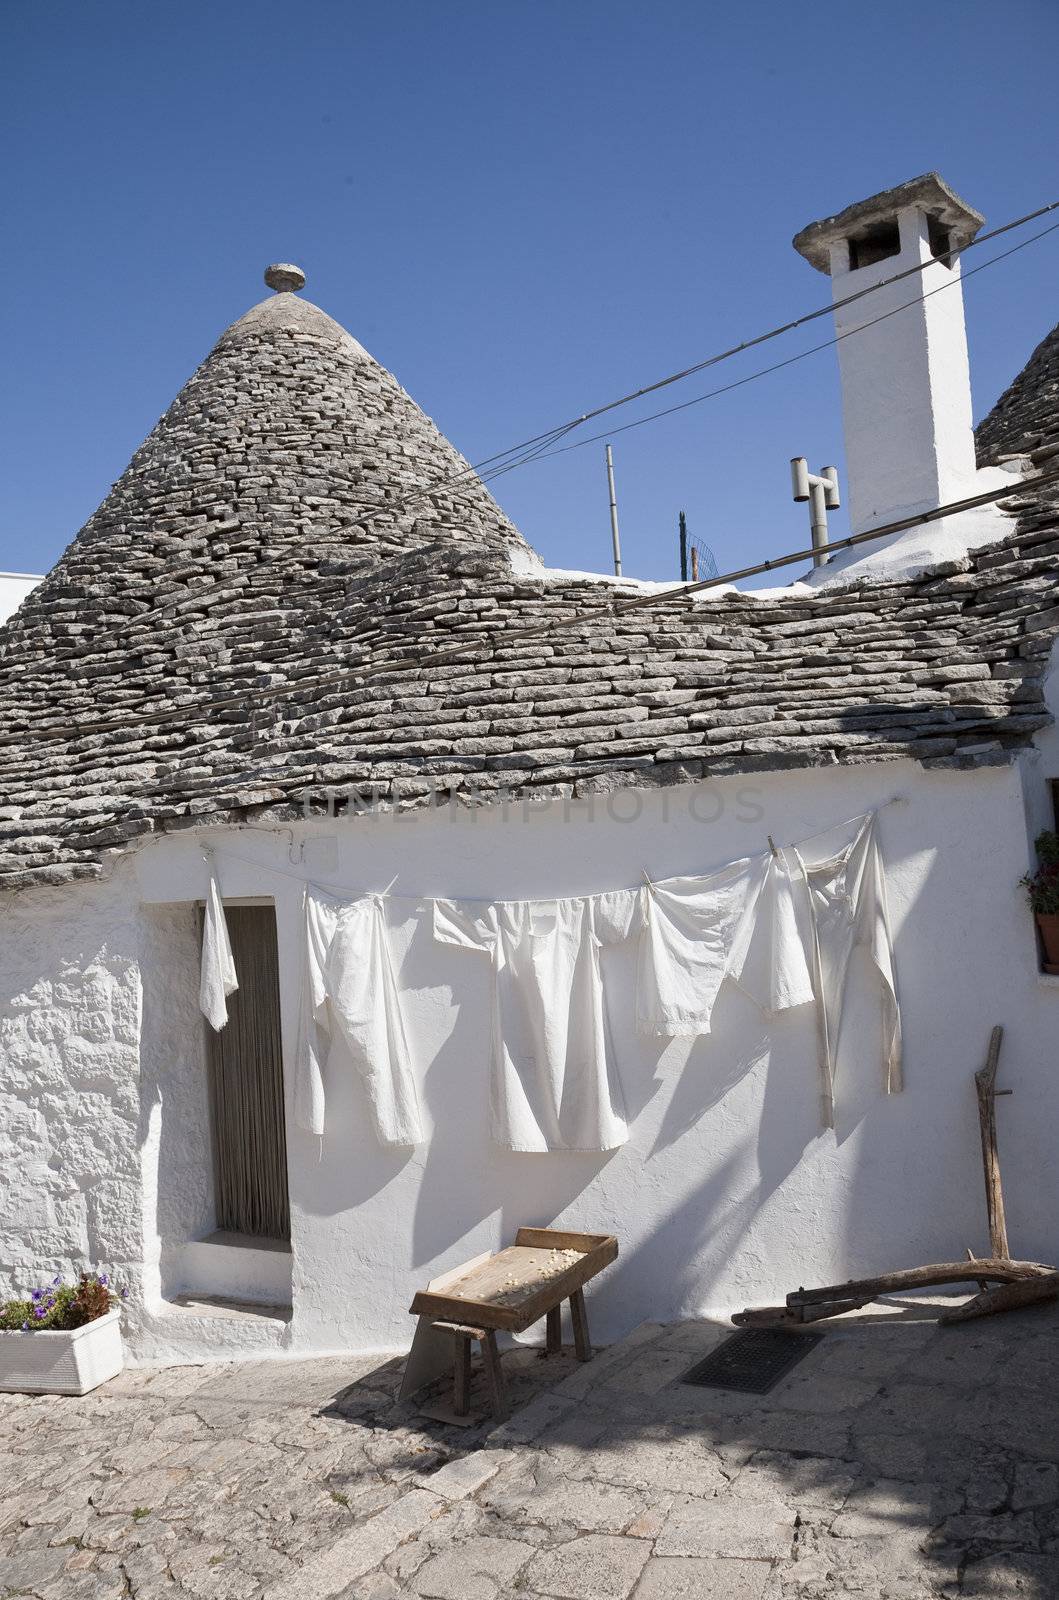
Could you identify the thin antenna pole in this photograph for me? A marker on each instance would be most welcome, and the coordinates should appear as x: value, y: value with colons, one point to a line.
x: 683, y: 525
x: 694, y: 564
x: 613, y: 514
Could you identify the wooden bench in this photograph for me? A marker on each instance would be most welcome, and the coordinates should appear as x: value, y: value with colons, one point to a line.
x: 506, y: 1292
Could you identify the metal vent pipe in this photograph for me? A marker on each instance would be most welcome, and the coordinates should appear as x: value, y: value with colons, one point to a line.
x: 821, y: 491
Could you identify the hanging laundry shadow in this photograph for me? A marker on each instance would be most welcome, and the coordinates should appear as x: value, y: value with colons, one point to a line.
x: 473, y: 1193
x: 468, y: 1180
x: 740, y: 1039
x: 348, y: 1165
x: 685, y: 1258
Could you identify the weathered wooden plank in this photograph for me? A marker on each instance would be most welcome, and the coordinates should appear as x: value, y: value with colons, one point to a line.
x: 517, y: 1286
x: 865, y: 1289
x: 559, y: 1239
x: 985, y: 1089
x: 582, y: 1342
x: 494, y: 1376
x: 1007, y: 1297
x: 461, y: 1386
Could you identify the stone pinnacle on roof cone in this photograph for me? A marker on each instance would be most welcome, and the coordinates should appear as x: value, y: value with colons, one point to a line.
x: 284, y: 277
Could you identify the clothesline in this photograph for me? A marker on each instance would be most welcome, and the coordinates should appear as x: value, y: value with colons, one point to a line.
x: 782, y: 930
x: 342, y: 890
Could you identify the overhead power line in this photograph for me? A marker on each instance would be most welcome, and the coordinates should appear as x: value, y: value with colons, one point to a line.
x: 557, y: 449
x: 493, y: 466
x: 352, y: 676
x: 546, y: 445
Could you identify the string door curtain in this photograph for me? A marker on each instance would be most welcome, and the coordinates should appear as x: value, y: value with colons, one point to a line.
x: 245, y: 1062
x: 846, y: 889
x: 349, y: 998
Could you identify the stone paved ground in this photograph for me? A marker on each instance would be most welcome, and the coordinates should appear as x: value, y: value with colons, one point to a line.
x: 898, y: 1461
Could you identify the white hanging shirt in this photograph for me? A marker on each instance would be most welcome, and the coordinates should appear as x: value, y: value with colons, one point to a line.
x: 217, y: 978
x: 738, y: 921
x: 847, y: 906
x: 349, y: 988
x: 552, y: 1083
x: 768, y: 956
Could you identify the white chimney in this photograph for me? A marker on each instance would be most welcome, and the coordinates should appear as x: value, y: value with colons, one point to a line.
x: 906, y: 386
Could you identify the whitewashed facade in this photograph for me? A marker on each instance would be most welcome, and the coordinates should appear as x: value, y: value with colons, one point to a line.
x: 729, y: 1191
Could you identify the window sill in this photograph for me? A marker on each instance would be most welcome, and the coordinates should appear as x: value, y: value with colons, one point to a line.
x: 235, y: 1266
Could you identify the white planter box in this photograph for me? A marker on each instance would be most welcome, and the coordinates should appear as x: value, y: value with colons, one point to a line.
x: 62, y: 1363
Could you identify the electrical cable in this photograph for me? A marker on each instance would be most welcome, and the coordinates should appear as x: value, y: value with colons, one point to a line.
x: 546, y: 446
x: 353, y: 675
x: 763, y: 372
x: 748, y: 344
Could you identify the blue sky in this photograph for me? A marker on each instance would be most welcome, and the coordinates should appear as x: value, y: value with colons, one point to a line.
x: 523, y: 209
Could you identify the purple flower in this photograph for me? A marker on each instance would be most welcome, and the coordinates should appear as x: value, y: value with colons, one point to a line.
x: 39, y: 1312
x: 125, y: 1294
x: 25, y: 1327
x: 103, y: 1278
x: 35, y: 1294
x: 54, y: 1281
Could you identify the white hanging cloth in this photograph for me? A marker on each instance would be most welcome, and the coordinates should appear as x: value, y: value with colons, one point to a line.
x: 349, y: 988
x: 217, y: 977
x: 738, y: 921
x: 767, y: 957
x: 552, y: 1082
x: 847, y: 907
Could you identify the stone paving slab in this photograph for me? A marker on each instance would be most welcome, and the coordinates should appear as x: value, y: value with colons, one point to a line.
x: 898, y: 1461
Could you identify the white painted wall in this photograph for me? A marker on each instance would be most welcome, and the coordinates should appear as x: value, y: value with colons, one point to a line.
x: 729, y: 1192
x: 71, y: 1127
x: 1041, y: 762
x: 176, y: 1157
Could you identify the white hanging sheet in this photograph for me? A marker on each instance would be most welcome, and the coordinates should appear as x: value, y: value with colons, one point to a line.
x: 552, y: 1085
x: 217, y: 976
x: 349, y: 988
x: 847, y: 907
x: 738, y: 921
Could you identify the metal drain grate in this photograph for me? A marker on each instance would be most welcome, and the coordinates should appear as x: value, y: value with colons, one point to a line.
x: 754, y: 1360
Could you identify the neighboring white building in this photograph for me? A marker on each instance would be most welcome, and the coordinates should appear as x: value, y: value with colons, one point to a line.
x: 299, y: 599
x: 14, y: 587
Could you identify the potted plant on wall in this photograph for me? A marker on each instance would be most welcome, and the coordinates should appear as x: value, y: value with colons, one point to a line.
x: 65, y: 1339
x: 1043, y: 888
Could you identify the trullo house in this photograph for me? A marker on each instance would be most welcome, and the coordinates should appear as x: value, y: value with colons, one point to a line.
x: 685, y: 922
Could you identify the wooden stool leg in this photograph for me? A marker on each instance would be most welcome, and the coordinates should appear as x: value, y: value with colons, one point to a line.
x: 582, y: 1342
x: 554, y: 1340
x: 494, y: 1375
x: 461, y: 1374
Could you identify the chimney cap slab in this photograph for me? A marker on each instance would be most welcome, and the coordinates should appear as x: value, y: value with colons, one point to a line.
x: 929, y: 193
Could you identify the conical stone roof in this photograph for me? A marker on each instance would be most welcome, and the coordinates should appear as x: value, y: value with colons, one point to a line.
x: 280, y: 595
x: 1025, y: 420
x: 292, y: 440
